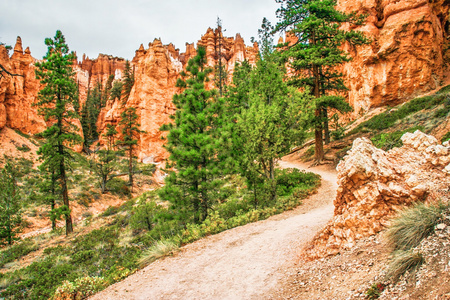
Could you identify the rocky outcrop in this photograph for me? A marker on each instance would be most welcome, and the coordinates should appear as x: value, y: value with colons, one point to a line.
x: 18, y: 93
x: 374, y: 185
x: 156, y: 71
x: 91, y: 71
x: 407, y: 54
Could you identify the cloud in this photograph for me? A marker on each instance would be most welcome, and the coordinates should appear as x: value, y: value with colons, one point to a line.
x: 118, y: 27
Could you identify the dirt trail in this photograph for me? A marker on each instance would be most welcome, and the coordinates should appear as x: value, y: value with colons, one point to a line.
x: 242, y: 263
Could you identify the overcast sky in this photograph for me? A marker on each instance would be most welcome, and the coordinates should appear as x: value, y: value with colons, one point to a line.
x: 118, y: 27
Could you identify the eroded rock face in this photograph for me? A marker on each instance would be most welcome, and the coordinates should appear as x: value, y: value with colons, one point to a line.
x: 156, y: 71
x: 407, y: 53
x: 91, y: 71
x: 18, y: 93
x: 374, y: 185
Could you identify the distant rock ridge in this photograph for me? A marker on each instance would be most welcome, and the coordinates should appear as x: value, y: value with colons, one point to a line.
x: 373, y: 185
x: 157, y: 69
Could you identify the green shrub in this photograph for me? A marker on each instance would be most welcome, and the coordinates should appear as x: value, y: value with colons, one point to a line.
x: 111, y: 210
x: 144, y: 216
x: 403, y: 260
x: 387, y: 141
x: 160, y: 249
x: 375, y: 290
x: 413, y: 225
x: 446, y: 137
x: 16, y: 251
x: 118, y: 187
x: 80, y: 289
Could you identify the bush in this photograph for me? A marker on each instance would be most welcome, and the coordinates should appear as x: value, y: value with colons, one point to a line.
x: 413, y: 225
x: 81, y: 288
x: 16, y: 251
x: 403, y: 261
x: 446, y: 137
x: 118, y: 187
x: 387, y: 141
x: 160, y: 249
x: 144, y: 216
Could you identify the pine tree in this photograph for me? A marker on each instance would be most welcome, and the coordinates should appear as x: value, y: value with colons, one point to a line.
x: 56, y: 101
x: 268, y: 128
x: 89, y: 114
x: 128, y: 81
x: 116, y: 90
x: 192, y: 144
x: 104, y: 165
x: 110, y: 135
x: 10, y: 208
x: 107, y: 90
x: 130, y: 131
x: 317, y: 52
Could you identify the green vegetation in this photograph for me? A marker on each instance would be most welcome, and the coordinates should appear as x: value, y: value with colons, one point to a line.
x: 56, y: 100
x: 192, y: 144
x: 391, y: 117
x: 10, y: 204
x: 16, y: 251
x: 130, y: 129
x: 137, y: 233
x: 387, y: 141
x: 413, y: 225
x: 406, y: 233
x: 317, y: 26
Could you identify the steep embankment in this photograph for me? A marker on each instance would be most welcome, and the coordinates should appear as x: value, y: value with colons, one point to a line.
x: 242, y: 263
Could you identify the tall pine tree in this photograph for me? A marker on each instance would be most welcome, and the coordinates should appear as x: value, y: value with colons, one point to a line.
x: 56, y: 102
x: 191, y: 142
x: 10, y: 206
x: 130, y: 130
x: 316, y: 53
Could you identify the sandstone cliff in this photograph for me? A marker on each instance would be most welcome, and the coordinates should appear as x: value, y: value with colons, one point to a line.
x: 18, y: 93
x: 407, y: 55
x: 156, y: 71
x: 373, y: 185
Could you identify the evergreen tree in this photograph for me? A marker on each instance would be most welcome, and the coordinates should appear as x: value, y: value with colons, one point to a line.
x: 110, y: 135
x: 56, y: 101
x: 116, y: 90
x: 104, y: 165
x: 89, y: 114
x: 128, y: 81
x: 192, y: 144
x: 314, y: 56
x: 220, y: 74
x: 268, y: 128
x: 130, y: 131
x: 10, y: 208
x: 107, y: 90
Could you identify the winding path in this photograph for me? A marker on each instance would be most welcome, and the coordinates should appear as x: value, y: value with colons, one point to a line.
x: 242, y: 263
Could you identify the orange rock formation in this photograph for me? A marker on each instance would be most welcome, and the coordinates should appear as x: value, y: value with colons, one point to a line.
x: 156, y: 71
x: 18, y: 93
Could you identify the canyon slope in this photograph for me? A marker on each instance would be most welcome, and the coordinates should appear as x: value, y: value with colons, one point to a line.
x: 407, y: 57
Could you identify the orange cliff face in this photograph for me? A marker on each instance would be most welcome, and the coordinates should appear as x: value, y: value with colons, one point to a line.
x: 18, y: 93
x: 89, y: 72
x: 407, y: 55
x: 156, y: 72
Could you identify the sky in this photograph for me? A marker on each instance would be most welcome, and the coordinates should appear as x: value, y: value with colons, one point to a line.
x: 118, y: 27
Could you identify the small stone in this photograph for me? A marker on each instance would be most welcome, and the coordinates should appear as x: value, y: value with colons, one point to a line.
x: 441, y: 226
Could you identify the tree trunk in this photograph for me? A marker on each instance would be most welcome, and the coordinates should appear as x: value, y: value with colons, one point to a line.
x: 65, y: 193
x: 130, y: 168
x: 326, y: 126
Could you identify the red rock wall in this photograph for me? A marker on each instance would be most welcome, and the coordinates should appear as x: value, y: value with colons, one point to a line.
x: 156, y: 71
x: 18, y: 93
x: 406, y: 56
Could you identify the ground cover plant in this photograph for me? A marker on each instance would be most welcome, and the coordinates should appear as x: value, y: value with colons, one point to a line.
x: 137, y: 233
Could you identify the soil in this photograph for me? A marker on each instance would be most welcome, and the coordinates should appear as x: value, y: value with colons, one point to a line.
x: 246, y: 262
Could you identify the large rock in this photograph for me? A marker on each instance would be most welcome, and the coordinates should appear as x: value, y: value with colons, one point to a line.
x: 374, y: 185
x: 407, y: 53
x: 19, y: 93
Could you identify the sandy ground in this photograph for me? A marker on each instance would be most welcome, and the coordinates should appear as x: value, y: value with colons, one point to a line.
x: 241, y: 263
